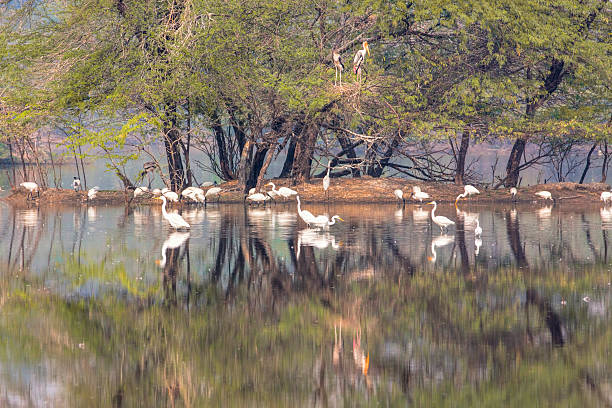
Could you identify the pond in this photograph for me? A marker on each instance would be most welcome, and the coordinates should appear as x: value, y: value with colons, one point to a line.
x: 104, y: 306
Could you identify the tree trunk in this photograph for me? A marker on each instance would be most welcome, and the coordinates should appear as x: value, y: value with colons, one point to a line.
x: 461, y: 154
x: 243, y: 166
x: 303, y: 155
x: 264, y: 168
x: 514, y: 161
x: 604, y: 167
x: 255, y: 167
x: 286, y: 172
x: 172, y: 139
x: 588, y: 164
x: 377, y: 169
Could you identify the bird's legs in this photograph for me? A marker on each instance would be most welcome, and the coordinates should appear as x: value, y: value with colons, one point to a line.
x: 336, y: 79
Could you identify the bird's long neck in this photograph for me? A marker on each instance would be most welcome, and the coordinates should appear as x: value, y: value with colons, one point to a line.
x: 273, y: 187
x: 333, y: 220
x: 328, y: 169
x: 164, y: 212
x: 299, y: 204
x: 433, y: 210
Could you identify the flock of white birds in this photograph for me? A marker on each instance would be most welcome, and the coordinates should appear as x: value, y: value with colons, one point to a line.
x: 198, y: 195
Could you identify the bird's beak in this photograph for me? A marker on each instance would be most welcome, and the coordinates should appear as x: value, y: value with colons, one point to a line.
x: 340, y: 219
x: 157, y: 198
x: 431, y: 202
x: 367, y: 47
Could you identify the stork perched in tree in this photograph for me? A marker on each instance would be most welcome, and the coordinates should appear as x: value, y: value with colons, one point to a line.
x: 338, y: 64
x: 359, y: 60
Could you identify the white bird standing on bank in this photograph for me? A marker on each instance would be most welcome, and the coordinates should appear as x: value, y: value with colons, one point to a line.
x: 513, y: 192
x: 284, y: 192
x: 468, y: 190
x: 92, y: 193
x: 359, y: 60
x: 305, y: 215
x: 419, y: 195
x: 156, y: 192
x: 399, y: 194
x: 174, y: 240
x: 214, y: 191
x: 258, y: 198
x: 326, y: 182
x: 545, y: 195
x: 174, y: 219
x: 606, y: 196
x: 31, y: 187
x: 76, y: 183
x: 171, y: 196
x: 338, y: 64
x: 140, y: 191
x: 440, y: 220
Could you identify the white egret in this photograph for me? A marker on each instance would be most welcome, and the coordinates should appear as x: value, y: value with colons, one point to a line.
x: 156, y: 192
x: 468, y: 190
x: 513, y: 192
x: 92, y: 193
x: 305, y: 215
x: 338, y: 65
x: 174, y: 240
x: 323, y: 221
x: 359, y: 60
x: 214, y: 191
x: 165, y: 190
x: 171, y: 196
x: 174, y: 219
x: 478, y: 229
x: 252, y: 191
x: 140, y: 191
x: 258, y: 198
x: 545, y: 195
x: 440, y: 220
x: 284, y: 192
x: 326, y: 182
x: 419, y: 195
x: 606, y: 196
x: 31, y: 187
x: 399, y: 194
x: 438, y: 242
x: 76, y: 183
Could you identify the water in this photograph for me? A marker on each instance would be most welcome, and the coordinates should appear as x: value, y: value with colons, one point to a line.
x: 252, y: 309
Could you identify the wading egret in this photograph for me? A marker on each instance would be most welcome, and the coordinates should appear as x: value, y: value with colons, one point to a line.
x: 338, y: 65
x: 513, y: 192
x: 440, y: 220
x: 76, y: 183
x: 544, y: 194
x: 174, y: 219
x: 305, y: 215
x: 606, y: 196
x: 258, y: 198
x: 417, y: 194
x: 31, y: 187
x: 174, y: 240
x: 399, y: 194
x: 92, y: 193
x: 359, y: 59
x: 468, y: 190
x: 284, y: 192
x: 323, y: 221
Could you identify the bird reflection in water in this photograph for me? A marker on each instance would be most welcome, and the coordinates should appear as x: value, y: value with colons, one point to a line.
x: 606, y: 218
x: 317, y: 239
x: 338, y: 346
x: 420, y: 216
x: 438, y: 242
x: 174, y: 241
x: 362, y: 362
x: 477, y: 245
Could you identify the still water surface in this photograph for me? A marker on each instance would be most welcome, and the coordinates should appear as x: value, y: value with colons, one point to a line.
x: 101, y: 306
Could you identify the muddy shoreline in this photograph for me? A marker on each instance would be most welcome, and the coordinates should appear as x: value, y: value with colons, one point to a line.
x: 362, y: 190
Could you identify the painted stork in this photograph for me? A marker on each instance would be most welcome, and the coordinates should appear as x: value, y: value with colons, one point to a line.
x: 338, y: 64
x: 359, y: 60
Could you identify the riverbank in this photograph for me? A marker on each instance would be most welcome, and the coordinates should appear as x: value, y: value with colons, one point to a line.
x: 362, y: 190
